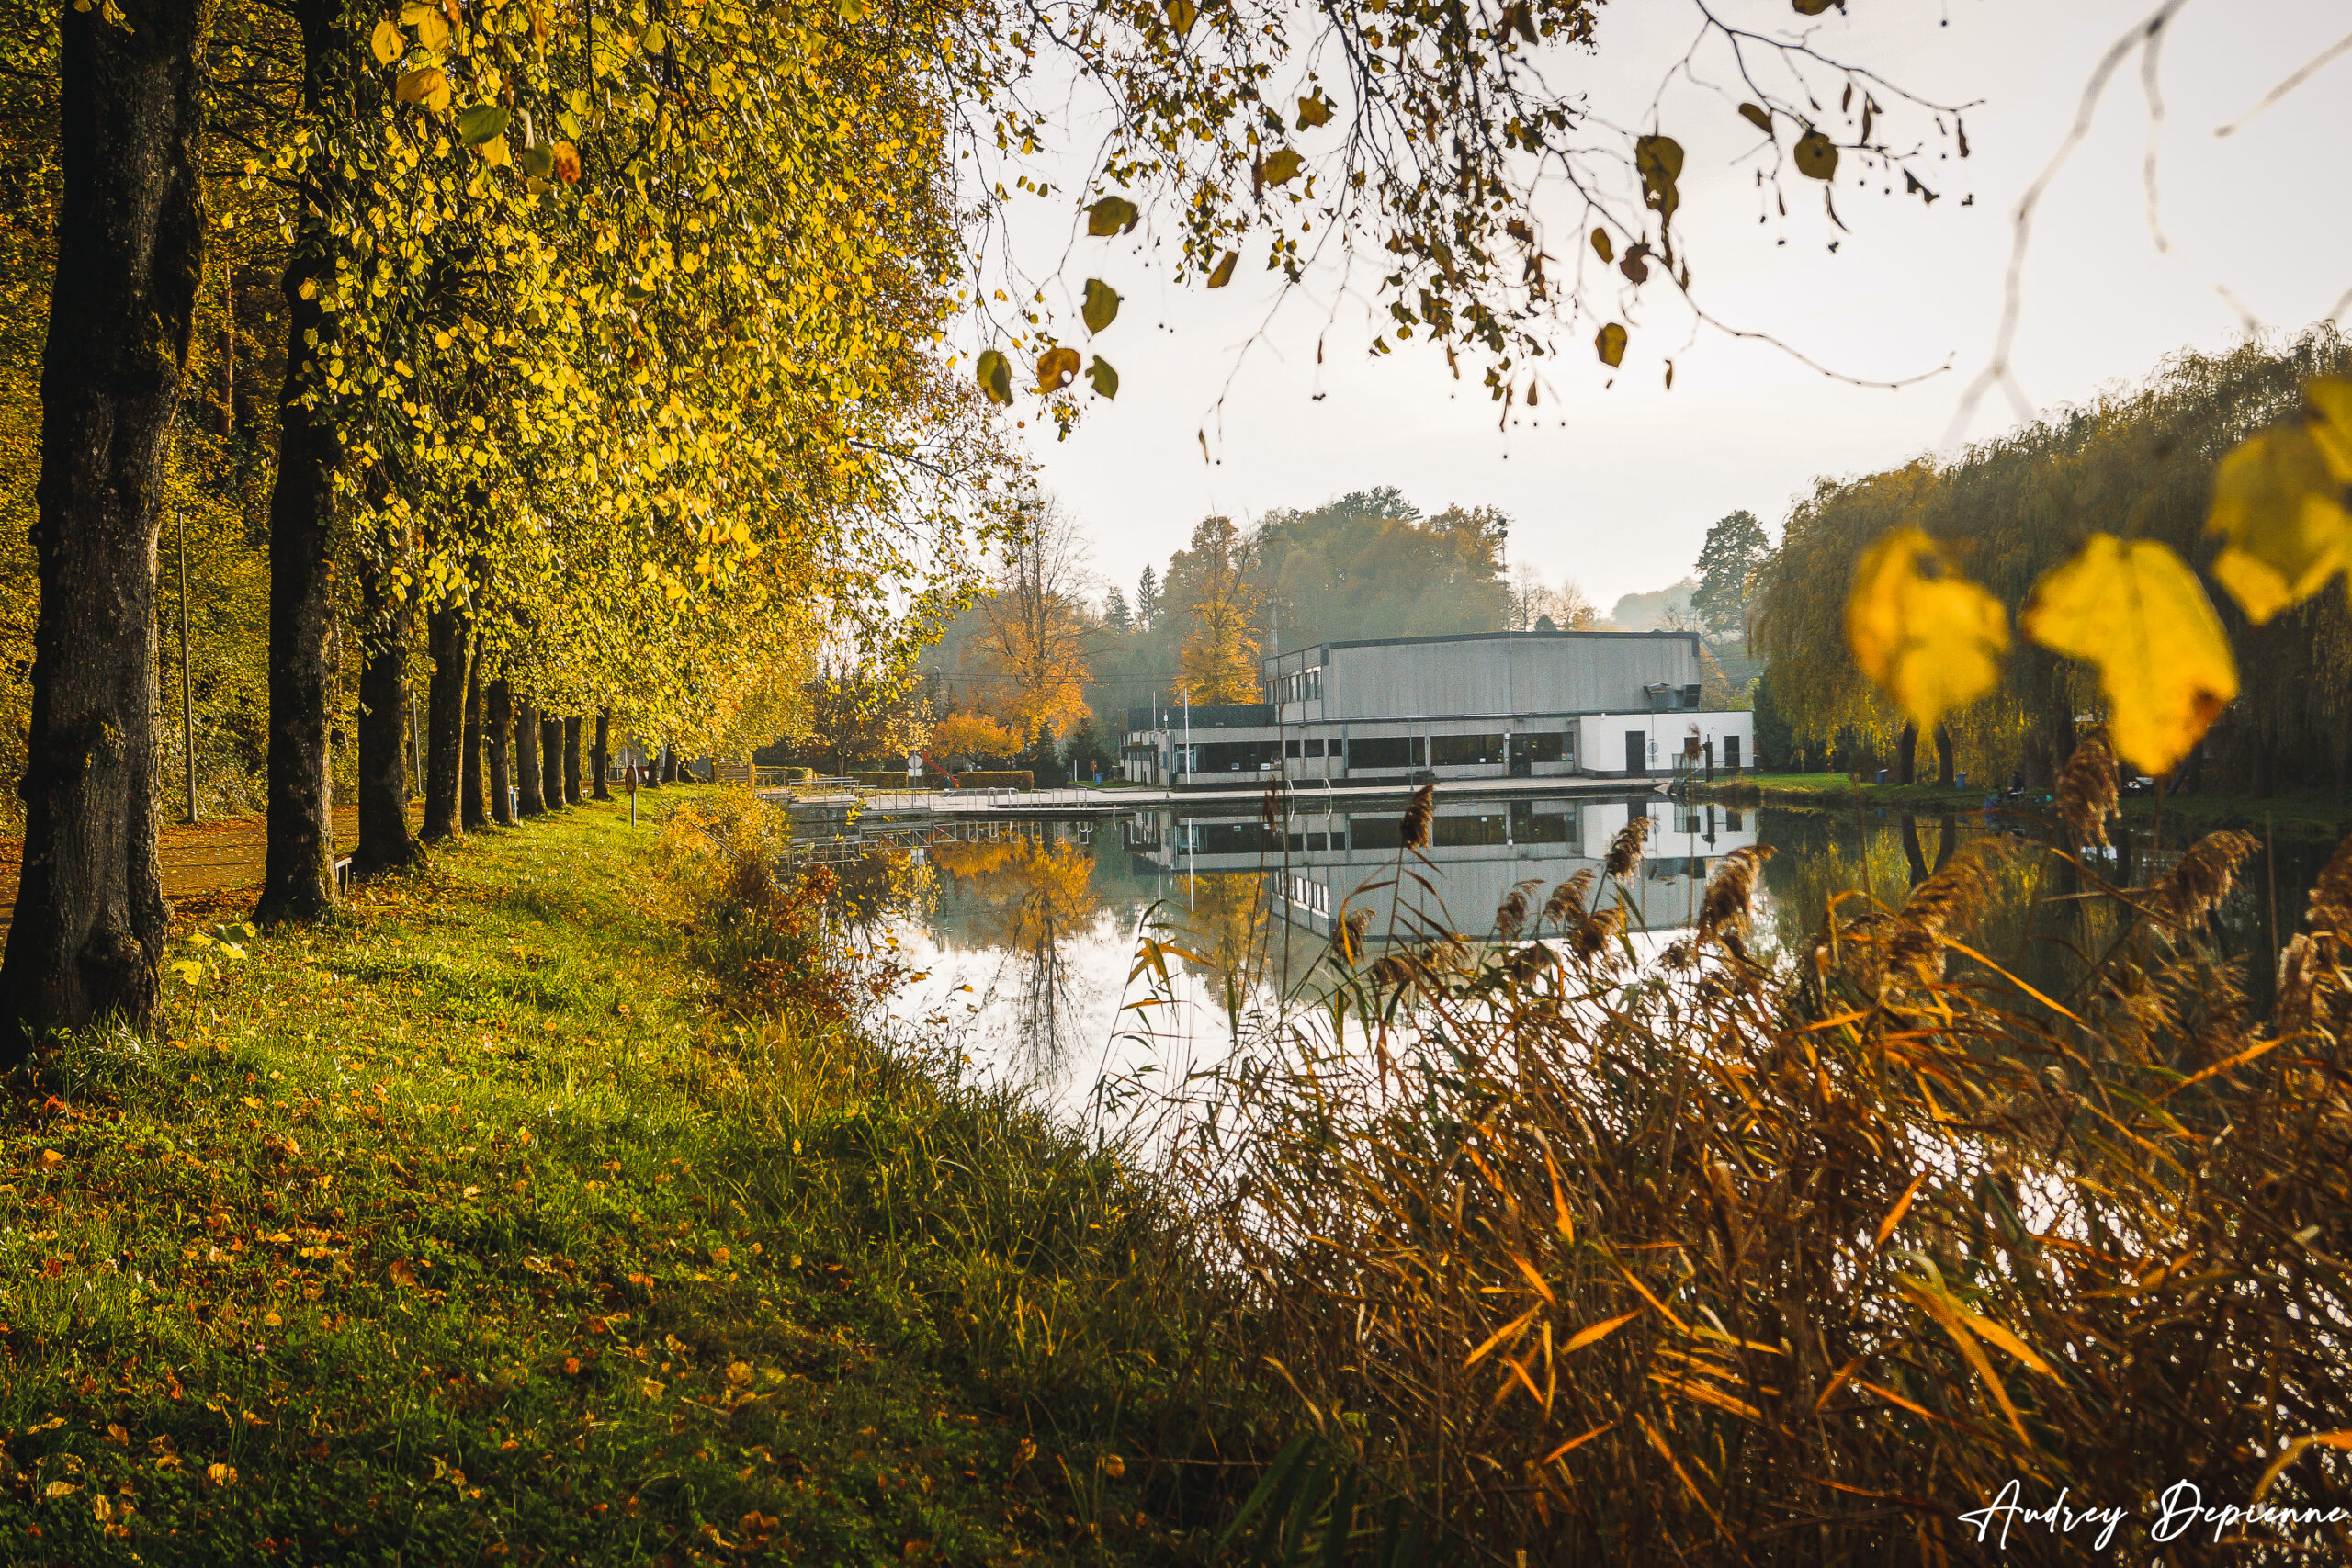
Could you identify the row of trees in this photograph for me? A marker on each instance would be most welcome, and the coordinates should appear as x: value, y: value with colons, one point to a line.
x: 2138, y: 463
x: 593, y: 375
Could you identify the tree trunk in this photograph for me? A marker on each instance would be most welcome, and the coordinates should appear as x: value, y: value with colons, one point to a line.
x: 473, y: 811
x: 600, y: 760
x: 551, y: 760
x: 1943, y: 755
x: 298, y: 879
x: 1907, y: 758
x: 668, y: 764
x: 385, y: 840
x: 498, y: 720
x: 571, y: 795
x: 527, y: 761
x: 445, y: 716
x: 661, y: 754
x: 87, y: 935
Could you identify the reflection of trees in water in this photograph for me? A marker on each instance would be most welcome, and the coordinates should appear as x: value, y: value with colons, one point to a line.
x: 1032, y: 894
x: 1223, y: 926
x: 886, y: 881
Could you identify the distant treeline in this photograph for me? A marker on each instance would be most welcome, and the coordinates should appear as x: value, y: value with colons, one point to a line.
x: 2136, y: 462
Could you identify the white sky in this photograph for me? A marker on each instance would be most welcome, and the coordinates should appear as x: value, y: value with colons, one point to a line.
x: 1621, y: 495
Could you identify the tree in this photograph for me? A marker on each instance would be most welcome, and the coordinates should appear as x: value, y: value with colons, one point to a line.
x: 1032, y: 650
x: 974, y: 736
x: 1736, y: 549
x: 1209, y: 586
x: 1147, y: 598
x: 1114, y: 610
x: 87, y: 935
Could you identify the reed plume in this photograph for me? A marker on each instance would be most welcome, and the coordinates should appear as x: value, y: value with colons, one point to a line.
x: 2086, y: 796
x: 1626, y: 849
x: 2205, y: 876
x: 1416, y: 825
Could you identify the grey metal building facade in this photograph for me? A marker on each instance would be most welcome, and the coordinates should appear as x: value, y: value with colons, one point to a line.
x: 1594, y: 705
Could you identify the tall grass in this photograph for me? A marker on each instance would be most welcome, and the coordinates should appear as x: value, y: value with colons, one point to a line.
x: 1710, y: 1259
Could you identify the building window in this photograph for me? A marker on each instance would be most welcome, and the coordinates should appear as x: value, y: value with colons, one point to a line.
x: 1314, y: 748
x: 1315, y: 684
x: 1541, y: 747
x: 1464, y: 750
x: 1289, y: 748
x: 1387, y: 752
x: 1731, y: 752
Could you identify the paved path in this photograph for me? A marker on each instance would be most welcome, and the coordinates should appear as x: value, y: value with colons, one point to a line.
x: 203, y: 860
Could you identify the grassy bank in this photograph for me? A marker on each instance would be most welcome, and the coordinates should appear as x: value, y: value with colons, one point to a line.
x: 480, y: 1227
x: 2313, y: 813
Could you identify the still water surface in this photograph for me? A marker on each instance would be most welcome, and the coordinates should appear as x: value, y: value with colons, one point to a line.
x: 1025, y: 933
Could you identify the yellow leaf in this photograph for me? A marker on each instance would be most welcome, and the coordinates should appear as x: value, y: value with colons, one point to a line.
x: 432, y: 26
x: 2137, y: 612
x: 567, y: 161
x: 1224, y: 273
x: 1594, y: 1333
x: 1601, y: 247
x: 388, y: 43
x: 1182, y: 14
x: 1931, y: 642
x: 495, y: 152
x: 1283, y: 166
x: 57, y: 1489
x: 1112, y: 215
x: 1314, y: 111
x: 1057, y: 367
x: 2278, y: 500
x: 429, y: 86
x: 1816, y: 156
x: 1610, y: 343
x: 221, y: 1474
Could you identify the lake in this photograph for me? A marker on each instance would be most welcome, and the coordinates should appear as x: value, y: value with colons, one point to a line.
x: 1024, y: 933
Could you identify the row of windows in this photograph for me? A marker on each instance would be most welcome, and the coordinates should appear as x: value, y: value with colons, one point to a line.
x: 1443, y: 751
x: 1305, y: 686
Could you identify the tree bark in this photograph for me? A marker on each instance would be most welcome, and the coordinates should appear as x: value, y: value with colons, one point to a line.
x: 1907, y: 757
x: 498, y: 718
x: 473, y: 811
x: 298, y: 876
x: 445, y: 717
x: 653, y: 766
x: 385, y: 840
x: 1943, y: 755
x: 669, y: 763
x: 571, y: 795
x: 527, y: 761
x: 88, y: 936
x: 599, y: 759
x: 551, y: 760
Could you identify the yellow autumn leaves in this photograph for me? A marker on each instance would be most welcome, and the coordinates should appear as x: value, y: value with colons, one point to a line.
x: 1933, y: 641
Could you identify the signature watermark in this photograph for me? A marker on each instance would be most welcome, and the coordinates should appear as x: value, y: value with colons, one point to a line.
x: 2179, y: 1513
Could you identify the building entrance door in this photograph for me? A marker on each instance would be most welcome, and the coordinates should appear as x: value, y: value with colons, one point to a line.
x: 1637, y: 758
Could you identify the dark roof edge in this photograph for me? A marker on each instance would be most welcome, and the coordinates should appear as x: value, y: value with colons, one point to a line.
x: 1471, y: 637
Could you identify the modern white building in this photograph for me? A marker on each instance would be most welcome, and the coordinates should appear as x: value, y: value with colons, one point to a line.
x: 1489, y: 705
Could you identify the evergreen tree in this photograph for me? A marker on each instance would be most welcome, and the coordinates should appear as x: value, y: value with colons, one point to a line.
x: 1147, y: 597
x: 1114, y: 610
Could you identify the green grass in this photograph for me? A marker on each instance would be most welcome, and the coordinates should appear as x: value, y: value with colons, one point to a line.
x: 2300, y: 813
x: 476, y: 1227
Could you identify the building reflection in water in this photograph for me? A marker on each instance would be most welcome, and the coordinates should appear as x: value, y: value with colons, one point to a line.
x: 1319, y: 861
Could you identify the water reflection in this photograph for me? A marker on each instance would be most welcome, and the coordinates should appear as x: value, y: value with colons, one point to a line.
x: 1027, y: 932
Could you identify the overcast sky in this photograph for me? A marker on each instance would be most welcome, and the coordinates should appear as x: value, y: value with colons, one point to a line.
x: 1618, y: 484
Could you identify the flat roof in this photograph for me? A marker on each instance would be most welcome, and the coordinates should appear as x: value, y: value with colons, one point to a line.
x: 1554, y: 636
